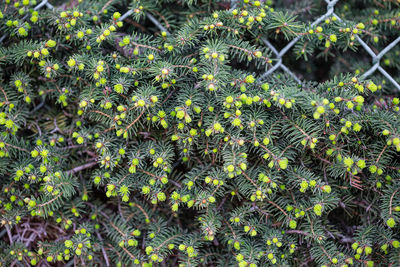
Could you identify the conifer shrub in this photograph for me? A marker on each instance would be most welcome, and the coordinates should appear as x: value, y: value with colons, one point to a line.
x: 154, y: 139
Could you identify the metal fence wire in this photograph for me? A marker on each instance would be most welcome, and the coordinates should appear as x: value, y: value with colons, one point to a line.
x: 330, y: 11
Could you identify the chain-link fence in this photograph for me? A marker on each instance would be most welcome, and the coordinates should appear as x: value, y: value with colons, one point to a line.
x: 331, y: 12
x: 279, y: 54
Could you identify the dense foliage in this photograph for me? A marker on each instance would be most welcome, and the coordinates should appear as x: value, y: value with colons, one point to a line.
x: 122, y: 144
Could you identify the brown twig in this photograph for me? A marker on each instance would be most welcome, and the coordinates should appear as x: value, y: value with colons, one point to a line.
x: 103, y: 250
x: 9, y: 234
x: 19, y: 148
x: 130, y: 125
x: 297, y: 232
x: 5, y: 95
x: 82, y: 167
x: 106, y: 5
x: 391, y: 200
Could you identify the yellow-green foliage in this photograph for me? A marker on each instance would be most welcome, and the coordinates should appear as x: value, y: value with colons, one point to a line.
x: 150, y: 139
